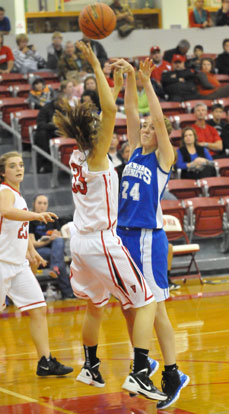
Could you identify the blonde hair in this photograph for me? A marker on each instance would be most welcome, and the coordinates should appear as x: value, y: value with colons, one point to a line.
x: 21, y: 36
x: 57, y: 34
x: 3, y: 159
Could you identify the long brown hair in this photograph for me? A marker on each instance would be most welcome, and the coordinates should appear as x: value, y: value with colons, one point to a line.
x: 80, y: 122
x: 184, y: 130
x: 3, y: 159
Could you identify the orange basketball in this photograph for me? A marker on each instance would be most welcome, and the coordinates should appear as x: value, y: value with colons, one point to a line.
x: 97, y: 21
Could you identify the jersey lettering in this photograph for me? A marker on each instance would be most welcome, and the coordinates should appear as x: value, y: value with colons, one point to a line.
x: 134, y: 192
x: 22, y: 232
x: 79, y: 183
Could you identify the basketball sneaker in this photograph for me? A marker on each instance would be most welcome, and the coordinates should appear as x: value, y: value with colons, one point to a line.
x: 51, y: 366
x: 91, y: 375
x: 139, y: 383
x: 152, y: 366
x: 172, y: 382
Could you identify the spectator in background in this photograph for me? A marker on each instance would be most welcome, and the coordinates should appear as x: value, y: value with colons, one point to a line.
x: 5, y: 26
x: 208, y: 85
x: 179, y: 82
x: 217, y: 122
x: 67, y: 91
x: 92, y: 97
x: 192, y: 158
x: 6, y: 57
x: 54, y: 51
x: 225, y: 138
x: 207, y: 135
x: 143, y: 105
x: 46, y: 239
x: 181, y: 49
x: 200, y: 17
x: 222, y: 60
x: 27, y: 59
x: 160, y: 65
x: 108, y: 73
x: 195, y: 62
x: 40, y: 94
x: 90, y: 83
x: 70, y: 63
x: 124, y: 16
x: 98, y: 50
x: 113, y: 152
x: 222, y: 15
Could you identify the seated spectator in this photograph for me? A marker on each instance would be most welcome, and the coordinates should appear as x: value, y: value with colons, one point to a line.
x: 67, y: 91
x: 90, y: 83
x: 6, y: 57
x: 195, y: 61
x: 70, y: 63
x: 45, y: 131
x: 40, y: 94
x: 27, y: 59
x: 108, y: 73
x: 217, y: 122
x: 200, y: 17
x: 225, y: 138
x: 160, y: 65
x: 222, y: 15
x: 208, y: 85
x: 222, y: 60
x: 113, y: 152
x: 98, y: 50
x: 47, y: 240
x: 179, y: 83
x: 124, y: 16
x: 54, y: 51
x: 181, y: 49
x: 207, y: 135
x: 192, y: 158
x: 92, y: 97
x: 5, y: 26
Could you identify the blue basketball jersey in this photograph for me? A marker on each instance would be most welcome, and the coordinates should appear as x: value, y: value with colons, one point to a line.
x: 142, y: 186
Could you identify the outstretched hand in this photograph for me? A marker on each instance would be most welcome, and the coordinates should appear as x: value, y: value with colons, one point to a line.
x: 118, y: 78
x: 47, y: 217
x: 88, y: 53
x: 145, y: 70
x: 122, y: 64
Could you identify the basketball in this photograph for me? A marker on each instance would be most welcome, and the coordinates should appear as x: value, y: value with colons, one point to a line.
x: 97, y: 21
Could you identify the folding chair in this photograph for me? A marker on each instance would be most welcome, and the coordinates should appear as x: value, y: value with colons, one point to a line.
x: 222, y: 167
x: 175, y: 232
x: 183, y: 188
x: 206, y: 217
x: 215, y: 186
x: 9, y: 105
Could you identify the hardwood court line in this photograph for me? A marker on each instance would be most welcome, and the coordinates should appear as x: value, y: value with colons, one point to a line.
x: 115, y: 343
x: 32, y: 400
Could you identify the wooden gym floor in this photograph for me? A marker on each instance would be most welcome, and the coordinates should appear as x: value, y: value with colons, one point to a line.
x: 199, y: 314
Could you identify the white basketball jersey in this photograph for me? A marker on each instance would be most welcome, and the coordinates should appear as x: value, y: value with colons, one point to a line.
x: 95, y: 195
x: 13, y: 234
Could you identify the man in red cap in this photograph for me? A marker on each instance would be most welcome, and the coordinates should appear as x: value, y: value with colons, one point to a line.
x: 179, y: 83
x: 160, y: 65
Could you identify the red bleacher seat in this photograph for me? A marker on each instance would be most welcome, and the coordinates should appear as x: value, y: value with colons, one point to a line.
x: 12, y: 78
x: 174, y: 208
x: 222, y: 166
x: 49, y: 77
x: 5, y: 91
x: 182, y: 120
x: 22, y: 120
x: 206, y: 216
x: 120, y: 126
x: 223, y: 79
x: 190, y: 105
x: 61, y: 149
x: 9, y: 105
x: 215, y: 186
x: 182, y: 188
x: 172, y: 108
x: 175, y: 137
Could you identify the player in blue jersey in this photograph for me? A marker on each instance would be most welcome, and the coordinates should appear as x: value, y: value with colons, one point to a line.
x: 140, y: 220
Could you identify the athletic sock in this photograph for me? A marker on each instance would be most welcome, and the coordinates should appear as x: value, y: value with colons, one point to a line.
x: 169, y: 368
x: 90, y: 355
x: 140, y: 359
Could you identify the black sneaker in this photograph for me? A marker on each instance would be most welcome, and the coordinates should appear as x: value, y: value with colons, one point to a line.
x: 91, y: 375
x: 139, y: 383
x: 51, y: 366
x: 173, y: 286
x: 172, y: 382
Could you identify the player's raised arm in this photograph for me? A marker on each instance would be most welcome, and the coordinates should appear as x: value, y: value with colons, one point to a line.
x: 165, y: 149
x: 130, y: 103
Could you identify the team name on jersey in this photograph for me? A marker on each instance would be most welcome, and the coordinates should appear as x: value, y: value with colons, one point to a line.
x: 139, y: 171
